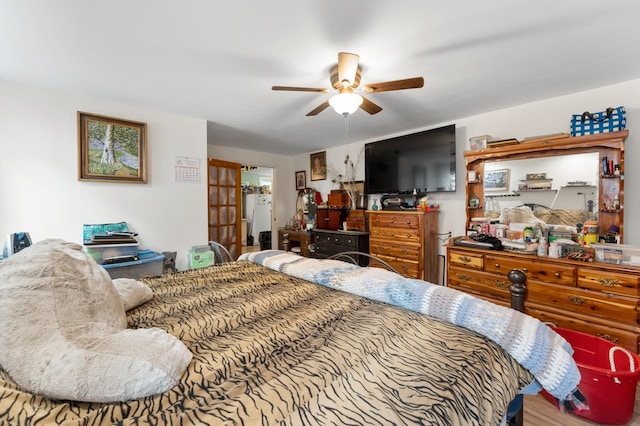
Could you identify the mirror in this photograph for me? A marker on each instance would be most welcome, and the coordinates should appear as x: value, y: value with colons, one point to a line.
x: 306, y: 203
x: 560, y: 190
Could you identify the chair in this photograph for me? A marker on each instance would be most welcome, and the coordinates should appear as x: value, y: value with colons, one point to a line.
x: 221, y: 253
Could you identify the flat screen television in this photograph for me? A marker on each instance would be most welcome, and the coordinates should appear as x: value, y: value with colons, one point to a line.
x: 424, y: 161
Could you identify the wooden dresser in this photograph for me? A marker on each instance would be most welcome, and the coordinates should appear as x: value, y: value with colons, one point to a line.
x: 288, y: 239
x: 592, y: 297
x: 407, y: 240
x: 327, y: 243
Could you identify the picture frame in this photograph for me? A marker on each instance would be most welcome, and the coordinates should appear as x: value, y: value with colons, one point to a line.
x: 496, y: 180
x: 318, y: 165
x: 301, y: 180
x: 111, y: 149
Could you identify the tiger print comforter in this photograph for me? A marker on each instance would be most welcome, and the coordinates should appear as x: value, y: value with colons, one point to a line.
x: 274, y: 349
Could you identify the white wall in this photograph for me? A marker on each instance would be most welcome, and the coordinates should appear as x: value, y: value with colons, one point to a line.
x: 533, y: 119
x: 40, y: 192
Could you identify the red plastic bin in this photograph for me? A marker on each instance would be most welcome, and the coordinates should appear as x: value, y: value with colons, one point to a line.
x: 610, y: 394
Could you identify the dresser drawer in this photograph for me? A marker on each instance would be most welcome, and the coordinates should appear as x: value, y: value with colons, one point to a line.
x: 469, y: 280
x: 540, y: 271
x: 624, y: 338
x: 344, y: 240
x: 394, y: 221
x: 466, y: 259
x: 411, y: 236
x: 609, y: 281
x: 408, y: 268
x: 388, y: 249
x: 613, y: 307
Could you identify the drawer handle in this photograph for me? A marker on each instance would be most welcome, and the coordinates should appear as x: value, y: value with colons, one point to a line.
x: 465, y: 259
x: 608, y: 337
x: 576, y: 300
x: 408, y: 222
x: 405, y: 268
x: 380, y: 248
x: 393, y: 234
x: 502, y: 285
x: 408, y: 235
x: 608, y: 282
x: 464, y: 277
x: 405, y: 251
x: 557, y: 275
x: 525, y: 270
x: 497, y: 266
x: 393, y: 221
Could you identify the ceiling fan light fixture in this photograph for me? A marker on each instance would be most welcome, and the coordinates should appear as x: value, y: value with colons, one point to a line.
x: 345, y: 103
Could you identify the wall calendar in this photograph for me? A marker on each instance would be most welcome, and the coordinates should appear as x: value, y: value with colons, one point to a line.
x: 186, y: 169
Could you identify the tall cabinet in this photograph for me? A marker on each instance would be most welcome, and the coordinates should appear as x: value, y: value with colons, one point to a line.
x: 407, y: 240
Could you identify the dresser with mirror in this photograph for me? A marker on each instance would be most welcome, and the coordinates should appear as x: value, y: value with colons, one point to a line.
x: 564, y: 180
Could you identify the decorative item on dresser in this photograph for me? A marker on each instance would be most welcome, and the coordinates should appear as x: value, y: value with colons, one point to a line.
x: 591, y: 297
x: 407, y: 240
x: 327, y: 243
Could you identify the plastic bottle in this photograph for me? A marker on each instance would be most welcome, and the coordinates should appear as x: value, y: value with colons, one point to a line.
x: 542, y: 247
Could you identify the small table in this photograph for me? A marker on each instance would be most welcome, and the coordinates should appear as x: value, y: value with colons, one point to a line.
x: 289, y: 238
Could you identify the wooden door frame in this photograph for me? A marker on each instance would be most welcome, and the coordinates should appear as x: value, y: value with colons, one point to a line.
x: 234, y: 247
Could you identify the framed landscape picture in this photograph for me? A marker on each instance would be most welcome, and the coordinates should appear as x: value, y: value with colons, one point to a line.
x: 496, y: 180
x: 111, y: 149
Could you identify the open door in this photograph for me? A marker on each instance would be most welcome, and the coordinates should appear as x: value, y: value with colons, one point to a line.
x: 225, y: 209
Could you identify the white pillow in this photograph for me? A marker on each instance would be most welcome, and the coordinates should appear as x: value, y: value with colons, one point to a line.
x: 132, y: 292
x: 64, y: 335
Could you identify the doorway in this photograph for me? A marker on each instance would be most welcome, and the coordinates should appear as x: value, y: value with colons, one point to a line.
x: 257, y: 207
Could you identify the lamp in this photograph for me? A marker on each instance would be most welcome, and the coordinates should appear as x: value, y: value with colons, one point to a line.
x: 345, y: 103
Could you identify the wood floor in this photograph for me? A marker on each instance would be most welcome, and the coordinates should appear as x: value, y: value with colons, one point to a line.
x: 248, y: 249
x: 540, y: 412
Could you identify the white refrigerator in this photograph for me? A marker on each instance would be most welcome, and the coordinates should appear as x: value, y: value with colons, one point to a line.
x: 257, y: 210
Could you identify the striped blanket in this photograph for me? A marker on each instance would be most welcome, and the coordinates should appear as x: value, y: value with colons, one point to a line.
x: 533, y: 344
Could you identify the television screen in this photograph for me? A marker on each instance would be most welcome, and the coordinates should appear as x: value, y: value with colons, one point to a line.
x: 424, y: 161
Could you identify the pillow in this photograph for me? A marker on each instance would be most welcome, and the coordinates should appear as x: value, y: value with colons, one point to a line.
x: 64, y: 334
x: 132, y: 292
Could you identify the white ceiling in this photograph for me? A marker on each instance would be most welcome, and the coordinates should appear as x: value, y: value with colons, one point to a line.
x: 218, y: 60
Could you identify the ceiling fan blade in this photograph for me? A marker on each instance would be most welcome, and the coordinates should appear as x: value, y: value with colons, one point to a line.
x: 369, y: 106
x: 317, y: 110
x: 386, y: 86
x: 300, y: 89
x: 347, y: 67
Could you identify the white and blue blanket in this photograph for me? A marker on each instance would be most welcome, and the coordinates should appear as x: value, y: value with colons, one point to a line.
x: 534, y: 345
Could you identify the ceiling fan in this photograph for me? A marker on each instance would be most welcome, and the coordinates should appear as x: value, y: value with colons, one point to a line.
x: 345, y: 79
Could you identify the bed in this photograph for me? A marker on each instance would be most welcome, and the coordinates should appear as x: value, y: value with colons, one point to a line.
x: 276, y: 338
